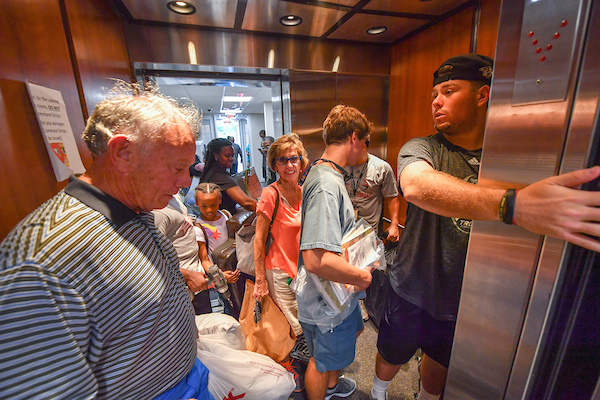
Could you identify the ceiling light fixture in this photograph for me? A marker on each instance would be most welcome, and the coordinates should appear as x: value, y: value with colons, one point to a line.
x: 290, y: 20
x: 192, y: 53
x: 237, y: 99
x: 336, y: 64
x: 271, y: 59
x: 376, y: 30
x: 181, y: 7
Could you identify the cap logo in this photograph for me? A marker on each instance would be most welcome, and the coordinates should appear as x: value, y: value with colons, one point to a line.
x: 445, y: 69
x: 486, y: 72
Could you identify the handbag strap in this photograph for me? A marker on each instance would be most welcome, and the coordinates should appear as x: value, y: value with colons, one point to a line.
x: 274, y: 211
x: 205, y: 238
x: 208, y: 175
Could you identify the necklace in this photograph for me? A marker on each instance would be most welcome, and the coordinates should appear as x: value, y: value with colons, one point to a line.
x: 356, y: 183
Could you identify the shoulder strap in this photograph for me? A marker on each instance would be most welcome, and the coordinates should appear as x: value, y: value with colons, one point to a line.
x: 205, y: 238
x: 208, y: 175
x: 274, y: 210
x: 225, y: 213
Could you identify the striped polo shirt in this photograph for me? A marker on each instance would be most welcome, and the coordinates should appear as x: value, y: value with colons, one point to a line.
x: 92, y: 303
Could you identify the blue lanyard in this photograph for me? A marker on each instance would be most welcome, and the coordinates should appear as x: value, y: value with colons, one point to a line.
x: 341, y: 170
x: 356, y: 185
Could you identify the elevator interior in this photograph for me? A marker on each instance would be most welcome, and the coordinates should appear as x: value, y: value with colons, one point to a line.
x: 73, y: 45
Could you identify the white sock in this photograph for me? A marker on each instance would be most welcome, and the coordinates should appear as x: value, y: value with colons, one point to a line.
x: 424, y: 395
x: 379, y: 388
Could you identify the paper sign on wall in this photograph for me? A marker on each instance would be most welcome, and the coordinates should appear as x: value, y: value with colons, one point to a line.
x: 52, y: 116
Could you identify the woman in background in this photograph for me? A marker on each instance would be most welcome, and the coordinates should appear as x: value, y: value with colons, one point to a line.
x: 219, y: 157
x: 274, y: 267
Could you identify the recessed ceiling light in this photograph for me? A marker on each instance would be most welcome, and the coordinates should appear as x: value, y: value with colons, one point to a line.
x: 181, y: 7
x: 290, y: 20
x: 237, y: 99
x: 377, y: 30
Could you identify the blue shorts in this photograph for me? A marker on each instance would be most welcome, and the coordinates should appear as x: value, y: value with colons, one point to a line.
x: 334, y: 349
x: 404, y: 328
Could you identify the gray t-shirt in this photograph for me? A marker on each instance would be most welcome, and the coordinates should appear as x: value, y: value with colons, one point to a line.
x: 429, y: 266
x: 370, y: 184
x: 327, y: 215
x: 174, y: 223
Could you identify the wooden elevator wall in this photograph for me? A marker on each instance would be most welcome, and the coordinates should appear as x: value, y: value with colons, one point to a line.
x: 72, y: 46
x: 411, y: 73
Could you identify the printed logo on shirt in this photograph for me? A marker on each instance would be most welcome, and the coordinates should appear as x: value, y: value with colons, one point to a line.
x: 362, y: 193
x: 463, y: 225
x: 212, y: 231
x: 474, y: 161
x: 185, y: 227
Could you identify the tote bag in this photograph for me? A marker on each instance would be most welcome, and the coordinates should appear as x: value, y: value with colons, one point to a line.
x: 272, y: 335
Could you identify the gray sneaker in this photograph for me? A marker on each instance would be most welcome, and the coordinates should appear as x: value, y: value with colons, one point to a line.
x: 344, y: 388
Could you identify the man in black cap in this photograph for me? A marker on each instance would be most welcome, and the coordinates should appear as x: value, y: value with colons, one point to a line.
x: 437, y: 176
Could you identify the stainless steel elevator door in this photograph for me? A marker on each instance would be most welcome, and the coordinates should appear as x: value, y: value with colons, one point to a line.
x: 511, y: 274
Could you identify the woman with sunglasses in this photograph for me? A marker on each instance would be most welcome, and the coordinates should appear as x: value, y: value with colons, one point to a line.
x: 288, y: 158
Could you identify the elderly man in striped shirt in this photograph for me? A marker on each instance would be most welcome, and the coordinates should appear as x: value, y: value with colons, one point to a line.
x: 92, y: 302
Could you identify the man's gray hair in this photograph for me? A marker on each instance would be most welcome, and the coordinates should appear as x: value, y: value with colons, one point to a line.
x: 142, y: 116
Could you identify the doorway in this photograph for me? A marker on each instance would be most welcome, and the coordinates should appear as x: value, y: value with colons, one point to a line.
x: 236, y: 102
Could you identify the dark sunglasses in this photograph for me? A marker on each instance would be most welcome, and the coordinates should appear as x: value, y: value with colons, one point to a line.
x: 284, y: 160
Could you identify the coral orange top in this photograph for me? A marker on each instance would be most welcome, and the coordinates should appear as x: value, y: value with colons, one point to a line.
x: 283, y: 254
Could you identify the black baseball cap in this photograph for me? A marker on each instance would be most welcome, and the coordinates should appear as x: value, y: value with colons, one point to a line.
x: 469, y: 67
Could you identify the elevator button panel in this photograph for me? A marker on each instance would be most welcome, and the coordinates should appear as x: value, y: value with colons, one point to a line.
x: 546, y: 51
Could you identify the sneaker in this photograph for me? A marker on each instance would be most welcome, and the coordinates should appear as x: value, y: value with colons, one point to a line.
x: 344, y: 388
x: 371, y: 397
x: 300, y: 350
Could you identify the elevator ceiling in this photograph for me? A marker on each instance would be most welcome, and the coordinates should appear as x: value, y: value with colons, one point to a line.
x: 346, y: 20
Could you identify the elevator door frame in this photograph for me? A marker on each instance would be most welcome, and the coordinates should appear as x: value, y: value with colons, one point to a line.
x: 511, y: 274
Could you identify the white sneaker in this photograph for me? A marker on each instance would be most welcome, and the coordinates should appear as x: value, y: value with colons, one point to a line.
x: 371, y: 397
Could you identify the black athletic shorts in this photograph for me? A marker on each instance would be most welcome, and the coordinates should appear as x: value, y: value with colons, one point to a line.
x: 405, y: 328
x: 201, y: 303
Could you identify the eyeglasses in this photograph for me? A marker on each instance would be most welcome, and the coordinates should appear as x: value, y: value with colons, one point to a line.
x: 284, y: 160
x: 368, y: 140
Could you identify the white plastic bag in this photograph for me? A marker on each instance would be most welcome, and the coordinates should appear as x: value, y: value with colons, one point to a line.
x: 222, y: 329
x: 361, y: 248
x: 243, y: 374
